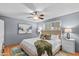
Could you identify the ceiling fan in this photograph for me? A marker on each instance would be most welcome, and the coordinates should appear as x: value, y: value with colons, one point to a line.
x: 37, y: 15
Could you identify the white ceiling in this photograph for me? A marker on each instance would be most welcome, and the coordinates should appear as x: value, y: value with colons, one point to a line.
x: 51, y: 10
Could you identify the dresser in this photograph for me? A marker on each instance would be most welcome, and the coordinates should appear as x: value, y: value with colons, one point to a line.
x: 68, y: 45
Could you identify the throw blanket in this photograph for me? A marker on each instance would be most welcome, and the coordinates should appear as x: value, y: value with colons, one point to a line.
x: 43, y: 46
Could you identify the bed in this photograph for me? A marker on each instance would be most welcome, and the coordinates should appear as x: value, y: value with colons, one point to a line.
x: 28, y: 46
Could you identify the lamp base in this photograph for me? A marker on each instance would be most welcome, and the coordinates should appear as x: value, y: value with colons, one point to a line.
x: 68, y: 35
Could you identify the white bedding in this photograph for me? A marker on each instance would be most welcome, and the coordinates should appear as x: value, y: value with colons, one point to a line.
x: 28, y: 45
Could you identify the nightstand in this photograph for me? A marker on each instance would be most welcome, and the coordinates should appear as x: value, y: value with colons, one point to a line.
x: 68, y: 45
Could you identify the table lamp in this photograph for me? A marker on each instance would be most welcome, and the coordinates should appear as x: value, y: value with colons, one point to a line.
x: 68, y: 30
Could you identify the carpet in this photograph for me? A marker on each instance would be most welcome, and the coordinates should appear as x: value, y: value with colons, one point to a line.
x: 18, y: 52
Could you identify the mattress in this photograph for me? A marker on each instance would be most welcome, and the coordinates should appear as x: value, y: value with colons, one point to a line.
x: 28, y: 45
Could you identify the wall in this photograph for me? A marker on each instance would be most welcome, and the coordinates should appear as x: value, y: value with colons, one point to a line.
x: 72, y: 21
x: 11, y: 33
x: 46, y: 25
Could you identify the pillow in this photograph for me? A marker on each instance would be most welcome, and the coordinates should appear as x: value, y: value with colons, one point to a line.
x: 45, y: 36
x: 54, y: 36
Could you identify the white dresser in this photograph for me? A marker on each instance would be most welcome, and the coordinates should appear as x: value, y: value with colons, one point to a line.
x: 68, y: 45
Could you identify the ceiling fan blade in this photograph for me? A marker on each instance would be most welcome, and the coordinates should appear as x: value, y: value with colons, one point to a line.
x: 29, y: 17
x: 3, y: 15
x: 48, y: 9
x: 30, y: 6
x: 41, y: 18
x: 42, y: 15
x: 21, y: 13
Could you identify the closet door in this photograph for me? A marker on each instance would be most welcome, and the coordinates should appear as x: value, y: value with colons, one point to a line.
x: 1, y: 35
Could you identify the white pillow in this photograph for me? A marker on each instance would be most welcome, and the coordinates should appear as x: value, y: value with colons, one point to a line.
x: 54, y: 36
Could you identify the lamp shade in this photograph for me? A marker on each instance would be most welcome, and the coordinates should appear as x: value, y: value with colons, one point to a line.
x: 68, y: 30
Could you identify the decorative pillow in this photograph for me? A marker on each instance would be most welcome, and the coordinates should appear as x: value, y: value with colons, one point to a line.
x: 45, y: 36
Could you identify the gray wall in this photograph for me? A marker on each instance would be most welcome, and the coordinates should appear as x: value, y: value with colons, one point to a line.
x: 72, y: 21
x: 11, y: 31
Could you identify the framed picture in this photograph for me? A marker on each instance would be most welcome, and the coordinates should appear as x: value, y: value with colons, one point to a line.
x: 24, y: 28
x: 56, y: 25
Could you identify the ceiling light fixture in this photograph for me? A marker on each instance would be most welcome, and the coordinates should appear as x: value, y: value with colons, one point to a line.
x: 35, y: 17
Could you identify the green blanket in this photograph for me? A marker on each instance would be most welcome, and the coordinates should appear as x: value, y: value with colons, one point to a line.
x: 43, y: 46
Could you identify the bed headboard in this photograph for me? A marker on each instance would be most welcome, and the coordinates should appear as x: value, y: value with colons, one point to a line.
x: 52, y: 32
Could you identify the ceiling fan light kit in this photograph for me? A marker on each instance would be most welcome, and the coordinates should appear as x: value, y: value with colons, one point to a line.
x: 35, y: 17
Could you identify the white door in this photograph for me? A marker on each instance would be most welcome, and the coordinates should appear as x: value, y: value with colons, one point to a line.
x: 1, y: 35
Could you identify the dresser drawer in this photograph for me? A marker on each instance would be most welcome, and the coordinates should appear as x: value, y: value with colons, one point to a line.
x: 69, y: 49
x: 68, y: 45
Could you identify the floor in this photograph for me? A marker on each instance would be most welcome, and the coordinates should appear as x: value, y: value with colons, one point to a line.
x: 7, y: 52
x: 62, y: 53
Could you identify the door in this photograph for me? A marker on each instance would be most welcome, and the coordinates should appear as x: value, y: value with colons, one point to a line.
x: 1, y: 35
